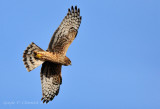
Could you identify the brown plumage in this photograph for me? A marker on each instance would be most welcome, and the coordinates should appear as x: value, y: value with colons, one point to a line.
x: 55, y: 56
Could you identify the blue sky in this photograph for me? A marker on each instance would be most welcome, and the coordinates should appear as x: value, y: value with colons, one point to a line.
x: 115, y: 56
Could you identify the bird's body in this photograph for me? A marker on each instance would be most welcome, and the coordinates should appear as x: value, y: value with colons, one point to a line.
x: 55, y: 56
x: 52, y: 57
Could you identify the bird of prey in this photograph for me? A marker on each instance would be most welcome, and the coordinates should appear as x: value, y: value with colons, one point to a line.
x: 55, y: 56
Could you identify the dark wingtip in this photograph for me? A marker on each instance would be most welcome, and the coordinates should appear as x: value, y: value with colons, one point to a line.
x: 80, y: 17
x: 42, y: 98
x: 72, y: 7
x: 76, y: 7
x: 44, y: 101
x: 69, y: 10
x: 47, y: 101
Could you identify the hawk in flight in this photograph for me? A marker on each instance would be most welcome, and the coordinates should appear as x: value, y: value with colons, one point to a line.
x: 55, y: 56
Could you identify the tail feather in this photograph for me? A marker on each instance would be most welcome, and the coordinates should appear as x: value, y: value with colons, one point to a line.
x: 29, y: 59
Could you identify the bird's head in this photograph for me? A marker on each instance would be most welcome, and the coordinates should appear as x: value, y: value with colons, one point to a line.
x: 67, y: 61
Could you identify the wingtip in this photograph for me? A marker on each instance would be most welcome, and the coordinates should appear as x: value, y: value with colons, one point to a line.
x: 80, y: 17
x: 78, y: 10
x: 72, y: 10
x: 44, y: 101
x: 69, y: 10
x: 76, y: 7
x: 72, y: 7
x: 42, y: 98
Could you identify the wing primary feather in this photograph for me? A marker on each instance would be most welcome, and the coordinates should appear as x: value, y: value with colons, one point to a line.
x: 78, y: 11
x: 76, y: 7
x: 69, y: 11
x: 72, y: 9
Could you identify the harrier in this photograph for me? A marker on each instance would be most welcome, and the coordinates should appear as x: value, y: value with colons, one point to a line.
x: 55, y: 56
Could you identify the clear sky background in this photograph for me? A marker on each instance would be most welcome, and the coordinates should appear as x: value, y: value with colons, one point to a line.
x: 115, y: 56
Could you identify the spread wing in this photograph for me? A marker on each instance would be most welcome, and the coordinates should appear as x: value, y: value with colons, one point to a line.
x: 50, y: 80
x: 62, y: 38
x: 66, y: 32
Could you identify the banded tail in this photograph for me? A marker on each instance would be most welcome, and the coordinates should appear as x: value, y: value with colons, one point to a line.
x: 29, y: 59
